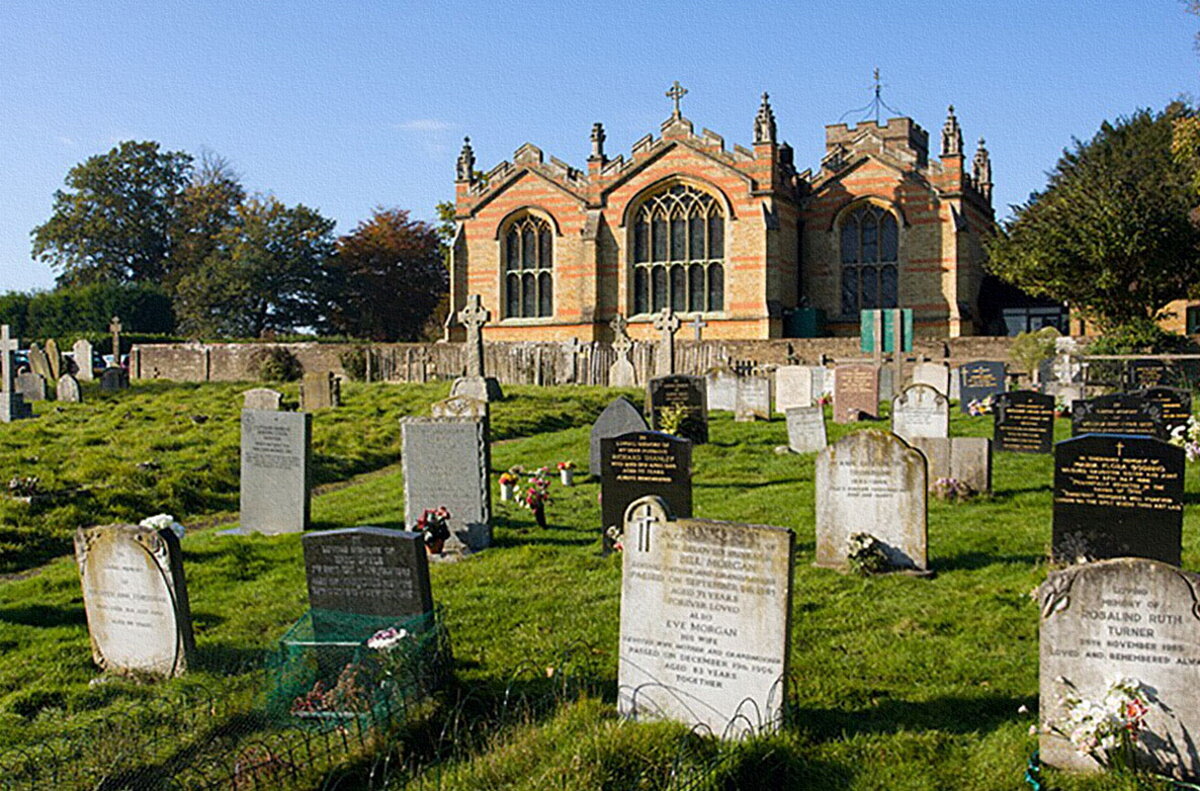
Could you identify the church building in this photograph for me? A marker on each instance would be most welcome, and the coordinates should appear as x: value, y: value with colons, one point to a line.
x: 737, y: 237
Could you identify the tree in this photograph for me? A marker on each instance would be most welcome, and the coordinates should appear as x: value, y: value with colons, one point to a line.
x: 202, y: 210
x: 386, y: 278
x: 1110, y: 234
x: 113, y: 221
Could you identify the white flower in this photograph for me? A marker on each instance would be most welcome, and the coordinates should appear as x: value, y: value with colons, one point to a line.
x: 159, y: 521
x: 387, y: 639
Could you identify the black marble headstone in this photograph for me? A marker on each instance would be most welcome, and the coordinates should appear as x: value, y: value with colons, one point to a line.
x: 1176, y: 405
x: 619, y: 417
x: 1141, y: 374
x: 978, y: 380
x: 1117, y: 496
x: 367, y: 571
x: 1120, y: 413
x: 114, y: 379
x: 641, y: 463
x: 690, y: 392
x: 1024, y: 422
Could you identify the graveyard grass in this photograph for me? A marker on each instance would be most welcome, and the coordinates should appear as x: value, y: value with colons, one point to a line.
x: 899, y: 682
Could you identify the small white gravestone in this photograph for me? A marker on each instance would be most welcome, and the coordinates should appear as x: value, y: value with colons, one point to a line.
x: 722, y: 385
x: 136, y: 599
x: 806, y: 429
x: 262, y: 398
x: 704, y: 621
x: 82, y: 352
x: 67, y: 390
x: 793, y: 387
x: 920, y: 411
x: 933, y: 374
x: 753, y: 399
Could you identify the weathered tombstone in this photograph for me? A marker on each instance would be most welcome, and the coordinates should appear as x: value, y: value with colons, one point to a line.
x: 638, y: 464
x: 1117, y: 496
x: 262, y: 398
x: 460, y: 406
x: 1120, y: 413
x: 367, y: 571
x: 978, y: 380
x: 887, y: 383
x: 794, y: 387
x: 871, y: 482
x: 445, y: 464
x: 114, y: 379
x: 275, y: 483
x: 621, y: 373
x: 679, y: 391
x: 721, y: 389
x: 1126, y: 618
x: 82, y: 352
x: 666, y: 322
x: 136, y: 600
x: 12, y: 403
x: 855, y: 392
x: 31, y: 386
x: 39, y: 363
x: 319, y: 390
x: 476, y: 383
x: 53, y: 359
x: 806, y: 429
x: 704, y: 647
x: 114, y: 327
x: 619, y: 417
x: 1024, y: 422
x: 935, y: 375
x: 753, y: 401
x: 68, y: 390
x: 967, y: 460
x: 920, y: 411
x: 1174, y: 403
x: 822, y: 382
x: 1141, y: 374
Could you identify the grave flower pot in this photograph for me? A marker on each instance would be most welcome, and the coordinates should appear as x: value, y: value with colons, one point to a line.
x: 567, y: 477
x: 539, y: 514
x: 506, y: 491
x: 435, y: 546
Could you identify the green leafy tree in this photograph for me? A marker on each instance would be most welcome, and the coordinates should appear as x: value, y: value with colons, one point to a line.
x: 1110, y: 233
x: 202, y: 211
x: 113, y: 221
x: 386, y: 279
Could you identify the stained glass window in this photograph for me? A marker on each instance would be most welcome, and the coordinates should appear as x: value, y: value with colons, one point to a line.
x: 870, y: 242
x: 528, y: 247
x: 678, y: 252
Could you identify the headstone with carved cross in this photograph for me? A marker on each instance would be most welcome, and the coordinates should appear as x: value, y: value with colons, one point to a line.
x: 666, y: 322
x: 476, y: 383
x: 115, y: 328
x: 115, y: 377
x: 12, y: 404
x: 621, y: 373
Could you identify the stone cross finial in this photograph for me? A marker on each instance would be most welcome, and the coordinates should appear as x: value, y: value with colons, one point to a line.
x: 8, y: 347
x: 697, y: 324
x: 668, y: 324
x: 115, y: 328
x: 676, y: 93
x: 473, y: 317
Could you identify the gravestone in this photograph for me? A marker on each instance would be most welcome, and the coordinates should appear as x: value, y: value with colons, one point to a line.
x: 806, y: 429
x: 1117, y: 496
x: 31, y: 386
x: 967, y: 460
x: 136, y: 599
x: 319, y: 390
x: 667, y: 323
x: 1120, y: 413
x: 460, y: 406
x: 822, y: 381
x: 920, y: 411
x: 68, y: 390
x: 753, y: 400
x: 367, y: 571
x: 935, y: 375
x: 275, y: 475
x: 638, y: 464
x: 619, y: 417
x: 114, y: 327
x: 476, y: 383
x: 53, y: 359
x: 705, y: 615
x: 39, y: 363
x: 687, y: 392
x: 1124, y: 618
x: 855, y: 392
x: 1023, y: 422
x: 978, y: 380
x: 82, y: 352
x: 887, y: 383
x: 721, y: 387
x: 794, y: 387
x: 871, y: 482
x: 1142, y: 374
x: 114, y: 379
x: 262, y: 398
x: 12, y: 403
x: 445, y: 463
x: 1174, y: 404
x: 621, y: 373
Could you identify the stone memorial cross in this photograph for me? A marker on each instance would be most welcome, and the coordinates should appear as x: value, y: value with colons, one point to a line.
x: 115, y: 328
x: 667, y: 323
x: 473, y: 317
x: 8, y: 347
x: 698, y: 324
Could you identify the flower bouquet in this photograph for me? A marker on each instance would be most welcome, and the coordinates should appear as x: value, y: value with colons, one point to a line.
x: 434, y: 526
x: 537, y: 494
x: 566, y: 473
x: 508, y: 482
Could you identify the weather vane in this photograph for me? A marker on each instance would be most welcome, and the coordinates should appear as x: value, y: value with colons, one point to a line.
x: 872, y: 107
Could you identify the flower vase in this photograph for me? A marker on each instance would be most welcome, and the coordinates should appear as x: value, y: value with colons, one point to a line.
x: 539, y: 514
x: 435, y: 546
x: 506, y: 491
x: 567, y: 477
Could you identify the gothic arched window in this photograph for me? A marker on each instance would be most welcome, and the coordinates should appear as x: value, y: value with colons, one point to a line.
x: 870, y: 251
x: 528, y: 265
x: 678, y: 252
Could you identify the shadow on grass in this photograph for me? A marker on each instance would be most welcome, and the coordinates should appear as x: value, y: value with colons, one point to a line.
x: 892, y: 715
x: 973, y: 561
x: 42, y: 615
x: 229, y: 659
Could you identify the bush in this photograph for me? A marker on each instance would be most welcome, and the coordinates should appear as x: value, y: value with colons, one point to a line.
x: 71, y: 311
x: 1142, y: 336
x: 277, y: 364
x: 1029, y: 349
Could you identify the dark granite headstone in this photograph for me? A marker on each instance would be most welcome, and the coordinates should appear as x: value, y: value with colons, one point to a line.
x: 1117, y: 496
x: 114, y: 379
x: 1176, y: 405
x: 445, y: 462
x: 978, y: 380
x: 1140, y: 374
x: 1024, y: 422
x: 640, y: 463
x: 1121, y: 413
x: 367, y: 571
x: 679, y: 390
x: 619, y: 417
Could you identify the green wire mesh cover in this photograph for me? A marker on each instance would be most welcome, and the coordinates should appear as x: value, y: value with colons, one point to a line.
x: 324, y: 671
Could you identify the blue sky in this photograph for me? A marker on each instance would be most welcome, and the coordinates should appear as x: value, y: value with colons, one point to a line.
x: 345, y: 106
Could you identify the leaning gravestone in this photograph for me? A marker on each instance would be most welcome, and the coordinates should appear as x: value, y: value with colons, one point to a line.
x: 1121, y: 413
x: 68, y: 390
x: 367, y: 571
x: 855, y: 392
x: 275, y: 484
x: 82, y: 352
x: 978, y: 380
x: 262, y: 398
x: 1024, y: 422
x: 806, y: 429
x: 114, y: 379
x: 1174, y: 404
x: 871, y: 482
x: 135, y: 598
x: 1117, y: 496
x: 319, y: 390
x: 721, y: 388
x: 39, y: 363
x: 53, y: 359
x: 920, y: 411
x: 445, y: 464
x: 935, y: 375
x: 753, y: 399
x: 686, y: 392
x: 619, y: 417
x: 793, y: 387
x: 638, y: 464
x: 705, y: 615
x: 1126, y: 618
x: 31, y: 386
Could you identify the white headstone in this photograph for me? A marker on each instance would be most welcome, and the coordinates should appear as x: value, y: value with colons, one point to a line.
x: 275, y: 485
x: 933, y: 374
x: 794, y: 387
x: 806, y: 429
x: 920, y: 411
